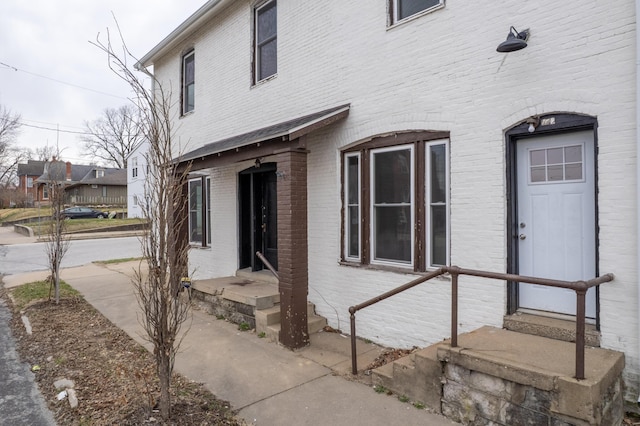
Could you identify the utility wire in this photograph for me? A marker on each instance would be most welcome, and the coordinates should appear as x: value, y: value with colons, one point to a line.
x: 62, y: 82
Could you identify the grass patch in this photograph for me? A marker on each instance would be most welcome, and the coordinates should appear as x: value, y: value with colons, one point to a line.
x: 18, y: 214
x: 79, y: 225
x: 244, y: 326
x: 39, y: 290
x: 380, y: 389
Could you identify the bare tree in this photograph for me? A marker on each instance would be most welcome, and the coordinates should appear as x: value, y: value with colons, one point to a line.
x: 164, y: 248
x: 46, y: 153
x: 10, y: 155
x: 114, y: 135
x: 57, y: 242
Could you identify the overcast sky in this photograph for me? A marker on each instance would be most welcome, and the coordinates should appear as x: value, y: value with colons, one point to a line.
x: 61, y: 79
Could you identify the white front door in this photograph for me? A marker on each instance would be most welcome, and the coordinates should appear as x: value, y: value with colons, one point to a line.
x: 556, y: 219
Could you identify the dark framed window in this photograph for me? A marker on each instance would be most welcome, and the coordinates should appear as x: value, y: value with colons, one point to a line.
x: 396, y: 201
x: 188, y: 82
x: 403, y: 9
x: 199, y: 211
x: 134, y: 167
x: 265, y: 40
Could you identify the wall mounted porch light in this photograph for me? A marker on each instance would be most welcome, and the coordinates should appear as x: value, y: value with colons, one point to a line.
x: 515, y: 41
x: 533, y: 123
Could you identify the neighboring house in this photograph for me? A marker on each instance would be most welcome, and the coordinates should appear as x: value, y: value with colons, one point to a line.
x: 136, y: 179
x: 359, y: 147
x: 85, y: 184
x: 27, y: 175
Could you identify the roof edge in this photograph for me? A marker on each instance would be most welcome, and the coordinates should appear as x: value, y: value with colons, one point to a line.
x: 206, y: 11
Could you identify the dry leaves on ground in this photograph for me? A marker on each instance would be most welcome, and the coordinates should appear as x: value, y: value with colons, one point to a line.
x: 114, y: 376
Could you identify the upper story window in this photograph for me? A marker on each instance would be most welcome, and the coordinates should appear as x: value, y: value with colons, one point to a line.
x: 29, y: 182
x: 188, y: 82
x: 402, y: 9
x: 99, y: 173
x: 134, y: 167
x: 266, y: 40
x: 396, y: 201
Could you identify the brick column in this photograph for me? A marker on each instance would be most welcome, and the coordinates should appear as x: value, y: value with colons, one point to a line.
x: 293, y: 265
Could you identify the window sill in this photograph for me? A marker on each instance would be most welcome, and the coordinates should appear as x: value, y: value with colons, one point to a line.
x: 187, y: 114
x: 199, y: 246
x: 394, y: 269
x: 264, y: 80
x: 416, y: 16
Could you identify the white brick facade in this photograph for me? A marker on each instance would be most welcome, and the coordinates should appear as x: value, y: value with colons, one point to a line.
x: 437, y: 72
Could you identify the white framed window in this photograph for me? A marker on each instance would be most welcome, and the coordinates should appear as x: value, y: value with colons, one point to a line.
x: 188, y: 82
x: 392, y: 200
x: 45, y: 192
x: 29, y: 182
x: 396, y: 205
x: 437, y: 201
x: 134, y: 167
x: 99, y: 173
x: 404, y: 9
x: 265, y: 40
x: 352, y: 188
x: 197, y: 196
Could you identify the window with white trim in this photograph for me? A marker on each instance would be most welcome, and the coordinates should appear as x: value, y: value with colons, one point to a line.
x: 188, y: 82
x: 199, y: 205
x: 134, y: 167
x: 396, y: 201
x: 352, y: 190
x: 403, y: 9
x: 265, y: 40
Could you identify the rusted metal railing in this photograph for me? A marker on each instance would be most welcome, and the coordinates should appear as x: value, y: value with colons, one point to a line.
x: 267, y: 264
x: 580, y: 287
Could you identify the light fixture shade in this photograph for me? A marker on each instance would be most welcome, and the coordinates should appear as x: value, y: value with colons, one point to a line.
x: 515, y: 41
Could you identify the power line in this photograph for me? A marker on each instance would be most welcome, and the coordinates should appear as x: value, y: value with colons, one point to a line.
x: 62, y: 82
x: 55, y: 130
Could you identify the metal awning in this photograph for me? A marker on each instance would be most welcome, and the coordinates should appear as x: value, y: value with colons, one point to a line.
x: 289, y: 130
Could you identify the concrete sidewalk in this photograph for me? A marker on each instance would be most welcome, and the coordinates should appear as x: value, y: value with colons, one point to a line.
x: 268, y: 384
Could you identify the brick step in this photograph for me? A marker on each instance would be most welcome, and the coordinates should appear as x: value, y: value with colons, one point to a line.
x: 416, y: 376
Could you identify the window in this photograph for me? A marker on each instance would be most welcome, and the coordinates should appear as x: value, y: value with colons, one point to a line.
x: 99, y: 173
x: 396, y: 201
x: 134, y: 167
x: 196, y: 198
x: 352, y: 201
x: 266, y: 40
x: 29, y: 182
x: 402, y: 9
x: 556, y: 164
x: 188, y: 82
x: 45, y: 192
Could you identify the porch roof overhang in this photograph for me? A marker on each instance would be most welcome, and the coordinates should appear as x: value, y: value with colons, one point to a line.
x: 261, y: 142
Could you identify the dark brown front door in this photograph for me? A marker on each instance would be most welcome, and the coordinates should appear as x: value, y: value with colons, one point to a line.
x: 258, y: 216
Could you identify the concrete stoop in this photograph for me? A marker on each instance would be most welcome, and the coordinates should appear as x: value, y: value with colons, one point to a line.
x: 251, y: 298
x: 501, y: 377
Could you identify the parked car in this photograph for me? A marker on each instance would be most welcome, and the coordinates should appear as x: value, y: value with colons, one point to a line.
x: 82, y: 212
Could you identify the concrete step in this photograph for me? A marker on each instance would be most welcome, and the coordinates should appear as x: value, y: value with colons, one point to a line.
x: 553, y: 328
x: 416, y: 376
x: 268, y: 321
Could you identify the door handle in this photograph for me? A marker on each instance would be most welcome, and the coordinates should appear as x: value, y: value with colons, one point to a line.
x: 522, y: 236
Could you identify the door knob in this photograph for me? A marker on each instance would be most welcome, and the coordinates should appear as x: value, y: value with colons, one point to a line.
x: 522, y: 236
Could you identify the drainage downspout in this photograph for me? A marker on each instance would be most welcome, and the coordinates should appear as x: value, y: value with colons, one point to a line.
x: 638, y: 174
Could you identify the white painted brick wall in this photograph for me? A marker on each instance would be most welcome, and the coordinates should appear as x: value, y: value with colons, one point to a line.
x: 439, y: 72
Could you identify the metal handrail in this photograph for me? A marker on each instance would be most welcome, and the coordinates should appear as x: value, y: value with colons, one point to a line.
x: 580, y: 287
x: 267, y: 264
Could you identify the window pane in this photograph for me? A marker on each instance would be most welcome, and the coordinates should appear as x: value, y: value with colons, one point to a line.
x: 267, y: 22
x: 537, y: 157
x: 555, y: 156
x: 353, y: 180
x: 438, y: 174
x: 538, y: 174
x: 392, y: 177
x: 555, y: 173
x: 268, y: 58
x: 439, y: 235
x: 189, y: 69
x: 411, y: 7
x: 353, y: 225
x: 573, y: 171
x: 573, y: 154
x: 393, y: 233
x: 195, y: 211
x: 208, y: 200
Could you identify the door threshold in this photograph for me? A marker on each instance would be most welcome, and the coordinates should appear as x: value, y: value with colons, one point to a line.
x: 551, y: 325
